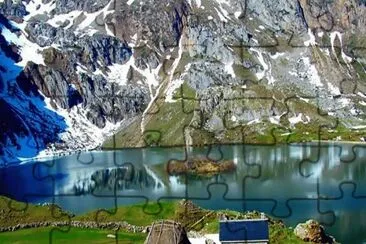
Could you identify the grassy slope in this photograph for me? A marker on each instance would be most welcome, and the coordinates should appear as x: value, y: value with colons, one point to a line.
x: 13, y: 213
x: 134, y: 214
x: 165, y: 127
x: 164, y: 123
x: 44, y: 235
x: 128, y: 137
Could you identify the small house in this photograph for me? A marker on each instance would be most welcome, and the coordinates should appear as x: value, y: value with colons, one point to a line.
x: 167, y: 232
x: 244, y: 231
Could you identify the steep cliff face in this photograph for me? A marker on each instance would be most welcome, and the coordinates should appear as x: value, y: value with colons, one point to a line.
x: 26, y: 125
x: 182, y: 71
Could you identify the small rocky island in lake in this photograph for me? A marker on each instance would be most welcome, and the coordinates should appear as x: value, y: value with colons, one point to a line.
x: 200, y: 166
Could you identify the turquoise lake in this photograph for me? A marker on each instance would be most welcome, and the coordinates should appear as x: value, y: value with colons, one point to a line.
x: 290, y: 182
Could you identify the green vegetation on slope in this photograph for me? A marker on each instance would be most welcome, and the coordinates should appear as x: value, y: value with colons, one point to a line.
x: 163, y: 124
x: 74, y: 235
x: 13, y: 213
x: 170, y: 122
x: 137, y: 214
x: 191, y: 216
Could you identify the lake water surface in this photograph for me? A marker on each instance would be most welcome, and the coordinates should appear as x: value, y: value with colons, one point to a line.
x: 278, y: 180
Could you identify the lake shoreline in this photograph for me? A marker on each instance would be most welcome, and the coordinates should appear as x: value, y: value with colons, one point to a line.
x: 59, y: 154
x: 341, y: 142
x: 142, y: 174
x: 183, y: 212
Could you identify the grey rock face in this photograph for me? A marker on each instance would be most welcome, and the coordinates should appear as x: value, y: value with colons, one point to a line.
x: 93, y: 53
x: 160, y: 23
x: 227, y: 49
x: 95, y: 94
x: 278, y: 16
x: 205, y: 75
x: 102, y: 100
x: 66, y: 6
x: 87, y: 50
x: 51, y: 82
x: 333, y: 15
x: 13, y: 10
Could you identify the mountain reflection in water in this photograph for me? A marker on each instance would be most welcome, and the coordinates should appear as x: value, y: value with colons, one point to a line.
x: 271, y: 179
x: 123, y: 178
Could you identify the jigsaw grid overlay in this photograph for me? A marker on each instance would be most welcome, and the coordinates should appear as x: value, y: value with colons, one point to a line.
x: 277, y: 208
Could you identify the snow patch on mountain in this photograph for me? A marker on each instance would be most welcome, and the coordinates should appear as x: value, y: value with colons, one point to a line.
x: 298, y: 119
x: 197, y: 3
x: 80, y: 134
x: 57, y: 20
x: 116, y: 73
x: 267, y: 68
x: 90, y: 18
x: 333, y: 36
x: 173, y: 86
x: 36, y: 7
x: 229, y: 68
x: 311, y: 41
x: 129, y: 2
x: 333, y: 89
x: 28, y: 50
x: 275, y: 119
x: 312, y: 73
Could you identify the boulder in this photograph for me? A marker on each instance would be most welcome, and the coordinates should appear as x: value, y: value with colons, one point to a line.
x: 312, y: 231
x: 209, y: 241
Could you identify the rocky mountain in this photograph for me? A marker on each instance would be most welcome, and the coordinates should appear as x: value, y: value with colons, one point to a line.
x: 128, y: 73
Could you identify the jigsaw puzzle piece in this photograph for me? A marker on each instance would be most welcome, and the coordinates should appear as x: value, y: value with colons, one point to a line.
x: 34, y: 189
x: 173, y: 100
x: 256, y: 119
x: 240, y: 186
x: 232, y: 23
x: 307, y: 111
x: 355, y: 88
x: 146, y: 180
x: 270, y: 187
x: 346, y: 199
x: 250, y: 31
x: 309, y: 122
x: 171, y: 118
x: 122, y: 19
x: 96, y: 184
x: 65, y: 178
x: 123, y: 180
x: 296, y: 205
x: 301, y: 209
x: 232, y: 156
x: 218, y: 199
x: 28, y: 118
x: 345, y: 129
x: 325, y: 24
x: 21, y: 215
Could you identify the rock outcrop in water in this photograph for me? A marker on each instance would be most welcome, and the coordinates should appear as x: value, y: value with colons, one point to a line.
x: 198, y: 166
x: 312, y: 231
